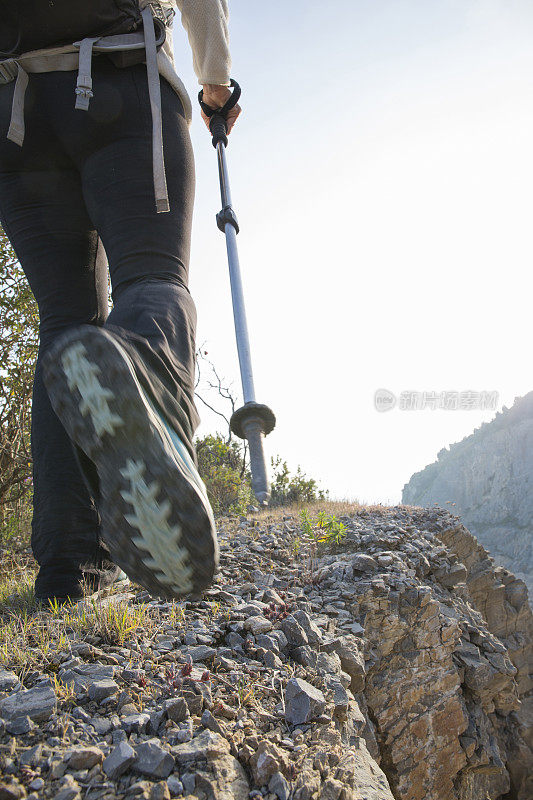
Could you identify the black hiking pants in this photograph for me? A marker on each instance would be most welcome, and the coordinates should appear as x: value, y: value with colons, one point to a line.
x: 81, y: 184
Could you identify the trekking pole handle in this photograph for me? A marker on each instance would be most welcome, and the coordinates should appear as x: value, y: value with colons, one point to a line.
x: 218, y: 116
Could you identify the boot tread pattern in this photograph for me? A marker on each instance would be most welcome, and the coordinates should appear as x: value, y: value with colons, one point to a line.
x: 157, y: 537
x: 82, y: 375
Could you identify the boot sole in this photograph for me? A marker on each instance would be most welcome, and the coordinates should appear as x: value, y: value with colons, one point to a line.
x: 156, y: 518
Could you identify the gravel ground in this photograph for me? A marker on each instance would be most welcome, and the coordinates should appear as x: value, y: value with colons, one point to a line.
x: 256, y: 689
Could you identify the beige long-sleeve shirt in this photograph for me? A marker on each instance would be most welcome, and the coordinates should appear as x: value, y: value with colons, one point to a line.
x: 206, y: 23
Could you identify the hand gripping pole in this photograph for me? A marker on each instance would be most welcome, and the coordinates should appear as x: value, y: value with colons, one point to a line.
x: 253, y: 421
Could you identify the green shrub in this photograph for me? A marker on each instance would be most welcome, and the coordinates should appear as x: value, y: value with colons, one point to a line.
x: 19, y: 321
x: 225, y: 472
x: 295, y: 488
x: 222, y: 468
x: 15, y: 523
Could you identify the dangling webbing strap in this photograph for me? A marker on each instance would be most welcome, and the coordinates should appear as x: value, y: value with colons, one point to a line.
x: 16, y: 126
x: 57, y: 58
x: 84, y: 84
x: 154, y: 92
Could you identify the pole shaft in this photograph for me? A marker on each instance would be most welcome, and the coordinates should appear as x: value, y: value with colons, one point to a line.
x: 225, y: 192
x: 237, y: 295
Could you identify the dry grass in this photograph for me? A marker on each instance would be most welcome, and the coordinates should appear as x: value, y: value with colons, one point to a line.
x: 16, y: 588
x: 32, y: 640
x: 17, y: 575
x: 31, y: 636
x: 337, y: 507
x: 17, y: 567
x: 114, y: 623
x: 29, y: 642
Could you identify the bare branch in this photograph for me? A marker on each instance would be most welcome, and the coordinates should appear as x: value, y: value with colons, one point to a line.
x: 217, y: 385
x: 214, y: 410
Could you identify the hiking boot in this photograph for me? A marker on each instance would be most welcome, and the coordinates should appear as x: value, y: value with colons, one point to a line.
x: 156, y: 519
x: 63, y: 584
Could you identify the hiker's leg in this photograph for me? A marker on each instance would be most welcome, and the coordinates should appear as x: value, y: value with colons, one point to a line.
x: 135, y: 375
x: 43, y: 214
x: 148, y: 253
x: 125, y: 391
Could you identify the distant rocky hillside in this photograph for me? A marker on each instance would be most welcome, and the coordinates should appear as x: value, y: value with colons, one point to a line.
x: 489, y: 477
x: 392, y: 663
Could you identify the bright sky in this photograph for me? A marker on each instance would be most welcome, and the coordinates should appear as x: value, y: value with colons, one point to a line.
x: 381, y: 173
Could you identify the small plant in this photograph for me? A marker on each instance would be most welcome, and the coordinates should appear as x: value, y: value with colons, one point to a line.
x: 228, y: 615
x: 333, y: 529
x: 186, y: 669
x: 54, y: 608
x: 306, y: 523
x: 214, y: 608
x: 176, y: 616
x: 173, y: 679
x: 324, y: 529
x: 295, y: 546
x: 142, y: 681
x: 275, y: 613
x: 17, y: 594
x: 245, y: 691
x: 64, y: 691
x: 28, y: 642
x: 142, y: 687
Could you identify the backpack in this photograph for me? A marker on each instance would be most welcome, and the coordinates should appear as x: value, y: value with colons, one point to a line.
x: 36, y: 24
x: 51, y: 35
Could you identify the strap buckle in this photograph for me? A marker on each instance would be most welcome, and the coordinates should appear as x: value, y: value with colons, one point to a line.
x: 166, y: 16
x: 84, y: 92
x: 8, y: 70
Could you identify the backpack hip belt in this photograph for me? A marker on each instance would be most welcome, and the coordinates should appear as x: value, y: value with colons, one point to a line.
x: 79, y: 56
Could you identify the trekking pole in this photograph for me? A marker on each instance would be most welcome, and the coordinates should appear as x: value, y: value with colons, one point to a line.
x: 253, y: 421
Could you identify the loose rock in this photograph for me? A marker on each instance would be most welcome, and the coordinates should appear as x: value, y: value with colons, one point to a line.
x: 265, y: 762
x: 99, y: 690
x: 19, y: 726
x: 37, y: 704
x: 8, y: 680
x: 152, y: 760
x: 85, y: 757
x: 118, y: 761
x: 279, y: 785
x: 303, y: 702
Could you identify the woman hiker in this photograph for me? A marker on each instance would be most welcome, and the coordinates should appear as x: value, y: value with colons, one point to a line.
x: 83, y: 188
